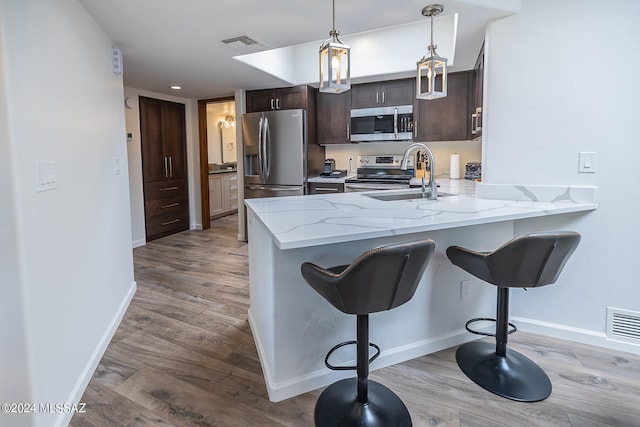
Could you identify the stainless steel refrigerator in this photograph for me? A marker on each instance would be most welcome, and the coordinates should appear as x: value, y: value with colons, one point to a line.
x: 279, y: 154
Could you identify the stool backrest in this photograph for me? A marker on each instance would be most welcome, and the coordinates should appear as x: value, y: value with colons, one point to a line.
x: 535, y: 259
x: 380, y: 279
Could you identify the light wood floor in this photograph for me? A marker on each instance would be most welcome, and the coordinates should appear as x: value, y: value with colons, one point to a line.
x: 184, y: 356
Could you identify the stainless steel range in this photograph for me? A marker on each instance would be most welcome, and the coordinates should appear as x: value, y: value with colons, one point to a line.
x: 381, y: 172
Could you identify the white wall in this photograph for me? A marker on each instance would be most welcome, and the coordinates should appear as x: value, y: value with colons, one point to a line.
x: 14, y: 367
x: 132, y: 117
x: 72, y: 274
x: 562, y: 78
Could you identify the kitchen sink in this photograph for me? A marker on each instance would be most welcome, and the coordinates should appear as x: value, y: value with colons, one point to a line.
x: 387, y: 197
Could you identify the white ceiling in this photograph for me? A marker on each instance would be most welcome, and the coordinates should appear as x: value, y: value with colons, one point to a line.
x: 178, y: 42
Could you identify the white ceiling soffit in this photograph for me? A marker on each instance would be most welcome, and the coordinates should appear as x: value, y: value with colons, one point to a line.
x: 388, y: 51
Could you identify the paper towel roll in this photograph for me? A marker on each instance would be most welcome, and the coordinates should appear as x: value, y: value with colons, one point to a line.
x: 454, y: 166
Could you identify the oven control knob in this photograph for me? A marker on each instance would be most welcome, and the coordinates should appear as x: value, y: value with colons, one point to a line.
x: 395, y: 160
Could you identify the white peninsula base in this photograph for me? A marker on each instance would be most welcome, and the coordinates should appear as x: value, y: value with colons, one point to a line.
x: 294, y: 327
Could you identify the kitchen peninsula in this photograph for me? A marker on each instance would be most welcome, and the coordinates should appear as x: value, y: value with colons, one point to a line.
x: 294, y: 327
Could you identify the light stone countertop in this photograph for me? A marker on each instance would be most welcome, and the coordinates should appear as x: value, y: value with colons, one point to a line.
x: 312, y: 220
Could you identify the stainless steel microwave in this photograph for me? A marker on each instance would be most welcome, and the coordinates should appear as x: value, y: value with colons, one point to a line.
x: 382, y: 124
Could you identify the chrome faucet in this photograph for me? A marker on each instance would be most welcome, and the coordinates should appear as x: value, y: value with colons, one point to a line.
x: 433, y: 195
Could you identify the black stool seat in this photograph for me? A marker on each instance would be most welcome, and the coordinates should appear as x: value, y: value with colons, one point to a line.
x: 529, y: 261
x: 380, y: 279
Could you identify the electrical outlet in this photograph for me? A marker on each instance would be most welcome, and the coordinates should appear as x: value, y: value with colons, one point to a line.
x: 465, y: 289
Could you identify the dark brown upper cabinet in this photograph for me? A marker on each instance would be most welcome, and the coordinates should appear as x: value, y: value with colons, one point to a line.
x: 446, y: 119
x: 383, y: 94
x: 477, y: 94
x: 333, y: 118
x: 287, y: 98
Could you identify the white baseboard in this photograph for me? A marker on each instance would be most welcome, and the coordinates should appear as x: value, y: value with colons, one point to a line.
x: 138, y: 243
x: 583, y: 336
x: 81, y: 385
x: 279, y: 391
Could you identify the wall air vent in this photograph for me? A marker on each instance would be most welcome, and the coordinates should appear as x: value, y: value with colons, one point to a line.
x: 623, y: 325
x: 242, y: 42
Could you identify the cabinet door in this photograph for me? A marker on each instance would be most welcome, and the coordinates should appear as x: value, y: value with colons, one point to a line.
x: 290, y: 98
x: 174, y: 141
x: 260, y: 100
x: 446, y: 119
x: 477, y: 94
x: 154, y: 162
x: 365, y: 95
x: 383, y: 94
x: 397, y: 92
x: 333, y: 117
x: 215, y: 195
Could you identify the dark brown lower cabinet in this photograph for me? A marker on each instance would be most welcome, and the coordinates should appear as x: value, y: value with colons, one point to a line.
x: 164, y: 166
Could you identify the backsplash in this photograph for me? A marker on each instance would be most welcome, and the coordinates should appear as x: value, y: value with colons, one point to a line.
x: 469, y: 151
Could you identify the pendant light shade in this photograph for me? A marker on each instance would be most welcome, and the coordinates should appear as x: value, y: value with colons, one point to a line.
x: 335, y: 62
x: 432, y: 69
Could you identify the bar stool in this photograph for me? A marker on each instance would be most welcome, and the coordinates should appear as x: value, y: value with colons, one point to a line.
x: 380, y: 279
x: 529, y: 261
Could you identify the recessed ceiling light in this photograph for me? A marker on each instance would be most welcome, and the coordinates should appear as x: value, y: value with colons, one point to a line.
x: 176, y: 87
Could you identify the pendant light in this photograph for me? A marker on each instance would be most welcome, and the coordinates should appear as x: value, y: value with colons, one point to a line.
x: 432, y: 70
x: 335, y: 62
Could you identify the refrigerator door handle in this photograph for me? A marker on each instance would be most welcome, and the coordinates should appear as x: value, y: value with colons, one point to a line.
x: 260, y: 148
x: 266, y: 140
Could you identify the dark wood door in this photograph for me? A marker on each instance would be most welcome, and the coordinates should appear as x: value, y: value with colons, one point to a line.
x: 151, y: 130
x: 175, y: 140
x: 333, y: 118
x: 398, y: 92
x: 365, y: 95
x: 446, y: 119
x: 477, y: 94
x: 260, y: 100
x: 290, y: 98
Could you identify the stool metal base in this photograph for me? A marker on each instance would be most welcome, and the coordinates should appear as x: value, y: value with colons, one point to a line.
x: 338, y: 406
x: 515, y: 376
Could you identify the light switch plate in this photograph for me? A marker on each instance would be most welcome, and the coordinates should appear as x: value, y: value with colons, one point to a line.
x: 46, y: 176
x: 587, y: 162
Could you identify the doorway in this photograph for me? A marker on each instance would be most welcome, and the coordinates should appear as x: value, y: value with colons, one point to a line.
x: 216, y: 122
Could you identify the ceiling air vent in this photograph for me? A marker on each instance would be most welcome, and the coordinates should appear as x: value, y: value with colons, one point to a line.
x: 623, y: 325
x: 242, y: 42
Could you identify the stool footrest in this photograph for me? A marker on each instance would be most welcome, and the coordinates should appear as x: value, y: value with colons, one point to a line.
x: 486, y: 319
x: 348, y: 368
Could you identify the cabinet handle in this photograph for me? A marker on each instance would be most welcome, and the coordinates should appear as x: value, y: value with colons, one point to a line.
x: 383, y: 97
x: 277, y: 103
x: 415, y: 129
x: 165, y: 167
x: 173, y: 221
x: 168, y: 188
x: 348, y: 132
x: 325, y: 189
x: 273, y: 104
x: 170, y: 166
x: 170, y: 205
x: 473, y: 124
x: 479, y: 119
x: 377, y: 97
